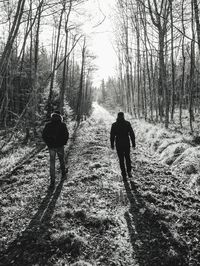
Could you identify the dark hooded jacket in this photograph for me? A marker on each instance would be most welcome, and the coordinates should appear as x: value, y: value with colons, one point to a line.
x: 121, y: 133
x: 55, y: 133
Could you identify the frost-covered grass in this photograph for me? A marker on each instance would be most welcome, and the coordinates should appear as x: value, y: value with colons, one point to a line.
x: 170, y: 147
x: 170, y: 154
x: 8, y: 162
x: 79, y: 222
x: 94, y: 216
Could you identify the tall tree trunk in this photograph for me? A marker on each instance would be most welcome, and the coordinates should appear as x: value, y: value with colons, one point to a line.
x: 4, y: 60
x: 35, y: 74
x: 65, y: 64
x: 49, y: 103
x: 172, y: 62
x: 81, y: 84
x: 192, y: 62
x: 181, y: 92
x: 11, y: 38
x: 196, y: 11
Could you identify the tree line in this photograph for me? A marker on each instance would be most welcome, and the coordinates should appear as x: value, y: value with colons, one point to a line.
x: 37, y: 77
x: 157, y: 44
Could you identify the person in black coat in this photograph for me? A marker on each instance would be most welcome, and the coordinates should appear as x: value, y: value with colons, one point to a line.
x: 56, y: 135
x: 121, y: 133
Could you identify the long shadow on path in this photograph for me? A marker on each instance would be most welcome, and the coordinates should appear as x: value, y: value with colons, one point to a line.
x: 153, y: 243
x: 33, y: 243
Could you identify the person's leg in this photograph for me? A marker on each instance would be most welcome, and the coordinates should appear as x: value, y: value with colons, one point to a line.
x: 61, y: 156
x: 52, y: 153
x: 120, y: 154
x: 128, y: 161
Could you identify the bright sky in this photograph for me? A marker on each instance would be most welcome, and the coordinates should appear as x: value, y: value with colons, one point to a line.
x: 96, y: 20
x: 100, y: 37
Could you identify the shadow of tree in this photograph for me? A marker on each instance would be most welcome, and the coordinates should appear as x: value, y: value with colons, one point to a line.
x: 6, y: 178
x: 153, y: 243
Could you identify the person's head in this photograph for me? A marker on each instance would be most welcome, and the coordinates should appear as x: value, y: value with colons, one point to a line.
x: 56, y: 116
x: 120, y: 116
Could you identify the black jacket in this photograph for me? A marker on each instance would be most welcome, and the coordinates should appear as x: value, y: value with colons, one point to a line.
x: 121, y: 133
x: 55, y: 133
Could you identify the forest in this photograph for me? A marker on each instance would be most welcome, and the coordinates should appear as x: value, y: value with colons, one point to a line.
x: 44, y: 63
x: 94, y: 213
x: 157, y: 45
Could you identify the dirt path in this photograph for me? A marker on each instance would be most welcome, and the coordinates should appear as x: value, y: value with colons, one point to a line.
x: 94, y: 217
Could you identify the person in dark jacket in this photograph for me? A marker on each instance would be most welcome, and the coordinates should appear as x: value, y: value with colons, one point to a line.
x: 56, y: 135
x: 121, y: 133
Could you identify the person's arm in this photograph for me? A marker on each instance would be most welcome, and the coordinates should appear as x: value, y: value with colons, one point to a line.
x: 112, y: 137
x: 132, y: 135
x: 66, y: 133
x: 45, y: 135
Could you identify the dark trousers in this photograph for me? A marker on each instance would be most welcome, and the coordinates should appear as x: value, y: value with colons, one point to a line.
x: 124, y: 156
x: 60, y: 152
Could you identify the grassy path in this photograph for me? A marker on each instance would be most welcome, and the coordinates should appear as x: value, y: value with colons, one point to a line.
x: 94, y: 217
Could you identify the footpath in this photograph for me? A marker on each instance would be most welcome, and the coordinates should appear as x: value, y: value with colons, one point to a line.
x: 94, y: 217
